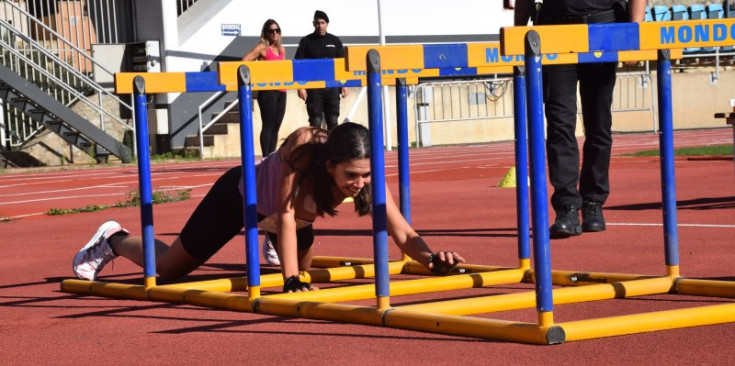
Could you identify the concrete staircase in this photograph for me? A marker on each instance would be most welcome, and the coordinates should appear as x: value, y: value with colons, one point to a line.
x: 222, y: 139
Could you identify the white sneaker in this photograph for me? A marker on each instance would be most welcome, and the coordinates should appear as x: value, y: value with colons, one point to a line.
x: 92, y: 257
x: 269, y: 252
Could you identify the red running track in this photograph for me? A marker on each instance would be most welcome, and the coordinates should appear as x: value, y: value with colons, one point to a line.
x: 455, y: 205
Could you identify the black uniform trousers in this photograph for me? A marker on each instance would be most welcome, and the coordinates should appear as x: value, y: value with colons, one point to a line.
x: 323, y: 105
x: 596, y: 84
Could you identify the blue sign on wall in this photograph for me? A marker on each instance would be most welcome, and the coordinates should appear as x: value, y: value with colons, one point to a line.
x: 231, y: 29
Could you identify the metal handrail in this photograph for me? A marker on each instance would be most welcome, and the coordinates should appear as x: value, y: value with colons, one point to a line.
x: 58, y: 36
x: 61, y: 84
x: 184, y: 5
x: 215, y: 119
x: 355, y: 104
x: 646, y: 79
x: 57, y: 60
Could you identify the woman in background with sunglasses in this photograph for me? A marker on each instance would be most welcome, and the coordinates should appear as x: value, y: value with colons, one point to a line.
x: 272, y: 103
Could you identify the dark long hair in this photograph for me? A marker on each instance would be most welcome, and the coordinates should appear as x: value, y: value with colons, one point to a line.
x: 346, y: 142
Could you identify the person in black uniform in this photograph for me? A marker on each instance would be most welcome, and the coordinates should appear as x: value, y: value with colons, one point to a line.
x: 321, y: 104
x: 596, y: 84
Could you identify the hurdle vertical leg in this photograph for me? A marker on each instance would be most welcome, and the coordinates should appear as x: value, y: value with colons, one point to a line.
x: 521, y: 153
x: 403, y: 169
x: 377, y: 167
x: 144, y: 182
x: 247, y: 153
x: 668, y: 181
x: 539, y: 197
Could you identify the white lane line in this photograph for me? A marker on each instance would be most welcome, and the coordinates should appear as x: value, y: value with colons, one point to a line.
x: 102, y: 174
x: 657, y: 224
x: 63, y: 198
x: 132, y: 183
x: 11, y: 218
x: 85, y: 195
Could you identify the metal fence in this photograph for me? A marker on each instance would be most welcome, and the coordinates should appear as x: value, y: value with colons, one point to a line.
x: 485, y: 100
x: 630, y: 93
x: 467, y: 100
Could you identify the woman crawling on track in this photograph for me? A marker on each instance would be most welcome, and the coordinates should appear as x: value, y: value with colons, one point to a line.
x: 309, y: 175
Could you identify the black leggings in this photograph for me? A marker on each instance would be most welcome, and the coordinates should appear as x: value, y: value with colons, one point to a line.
x: 272, y: 104
x: 219, y: 217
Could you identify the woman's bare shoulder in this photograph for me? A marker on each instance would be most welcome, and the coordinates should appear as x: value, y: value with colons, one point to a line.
x: 257, y: 52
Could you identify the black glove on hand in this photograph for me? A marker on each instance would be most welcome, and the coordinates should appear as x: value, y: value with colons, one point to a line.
x: 441, y: 267
x: 293, y: 284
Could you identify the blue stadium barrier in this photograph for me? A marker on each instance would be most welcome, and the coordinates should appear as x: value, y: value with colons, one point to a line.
x: 661, y: 13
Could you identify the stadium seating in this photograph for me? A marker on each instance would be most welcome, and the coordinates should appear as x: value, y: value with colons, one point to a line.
x: 680, y: 12
x: 717, y: 11
x: 698, y: 11
x: 648, y: 17
x: 661, y: 13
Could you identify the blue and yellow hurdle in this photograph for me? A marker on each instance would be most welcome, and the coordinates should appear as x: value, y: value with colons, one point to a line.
x: 527, y: 46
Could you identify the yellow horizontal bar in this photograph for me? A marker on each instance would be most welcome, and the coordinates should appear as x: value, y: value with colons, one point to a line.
x: 394, y: 57
x: 712, y: 288
x: 260, y: 72
x: 490, y: 70
x: 155, y: 82
x: 276, y: 279
x: 115, y: 290
x: 577, y: 278
x: 526, y: 300
x: 227, y: 284
x: 558, y: 39
x: 474, y: 327
x: 218, y: 300
x: 388, y: 79
x: 347, y: 273
x: 684, y: 34
x: 408, y: 287
x: 314, y: 310
x: 416, y: 268
x: 648, y: 322
x: 647, y: 55
x: 211, y: 293
x: 463, y: 326
x: 327, y: 261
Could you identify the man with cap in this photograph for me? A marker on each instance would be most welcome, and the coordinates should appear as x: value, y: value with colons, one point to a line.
x: 321, y: 104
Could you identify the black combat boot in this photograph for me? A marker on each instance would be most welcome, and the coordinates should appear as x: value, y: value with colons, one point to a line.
x: 566, y: 224
x: 592, y: 219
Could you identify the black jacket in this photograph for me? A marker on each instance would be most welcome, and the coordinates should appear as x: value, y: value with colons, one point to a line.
x: 316, y: 46
x: 577, y: 6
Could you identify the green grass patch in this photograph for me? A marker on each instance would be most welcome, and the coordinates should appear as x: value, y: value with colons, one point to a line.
x: 179, y: 155
x: 690, y: 151
x: 132, y: 200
